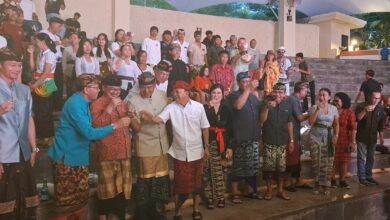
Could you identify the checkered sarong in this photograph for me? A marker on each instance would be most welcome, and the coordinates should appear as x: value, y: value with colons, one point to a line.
x: 114, y: 177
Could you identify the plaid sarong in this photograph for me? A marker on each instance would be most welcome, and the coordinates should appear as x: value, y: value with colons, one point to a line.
x: 114, y: 177
x: 188, y: 176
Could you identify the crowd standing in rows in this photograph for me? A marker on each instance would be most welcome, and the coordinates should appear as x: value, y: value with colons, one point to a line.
x: 200, y: 105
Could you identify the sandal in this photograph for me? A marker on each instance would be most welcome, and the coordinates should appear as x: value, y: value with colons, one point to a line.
x: 221, y: 203
x: 196, y: 215
x: 254, y: 196
x: 268, y: 195
x: 210, y: 204
x: 283, y: 196
x: 236, y: 199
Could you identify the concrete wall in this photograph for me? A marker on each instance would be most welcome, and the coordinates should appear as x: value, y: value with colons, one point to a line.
x: 98, y: 16
x: 307, y: 40
x: 346, y: 75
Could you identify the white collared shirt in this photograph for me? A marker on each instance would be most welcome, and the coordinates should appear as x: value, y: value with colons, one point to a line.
x: 153, y: 49
x: 187, y: 124
x: 183, y: 50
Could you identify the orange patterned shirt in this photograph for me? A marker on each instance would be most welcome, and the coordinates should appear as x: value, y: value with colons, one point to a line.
x: 117, y: 145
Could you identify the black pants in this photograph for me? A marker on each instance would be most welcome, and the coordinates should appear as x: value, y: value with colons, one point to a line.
x: 57, y: 95
x: 116, y: 205
x: 43, y: 116
x: 312, y: 97
x: 17, y: 184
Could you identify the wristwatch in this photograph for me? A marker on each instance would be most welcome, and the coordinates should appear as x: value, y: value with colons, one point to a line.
x: 35, y: 149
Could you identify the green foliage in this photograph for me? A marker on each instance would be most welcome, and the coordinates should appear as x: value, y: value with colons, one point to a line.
x: 244, y: 10
x: 376, y: 33
x: 153, y: 4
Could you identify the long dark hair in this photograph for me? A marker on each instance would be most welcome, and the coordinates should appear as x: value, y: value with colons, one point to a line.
x: 105, y: 49
x: 344, y: 99
x: 49, y: 42
x: 139, y: 54
x: 202, y: 70
x: 116, y: 33
x: 80, y: 51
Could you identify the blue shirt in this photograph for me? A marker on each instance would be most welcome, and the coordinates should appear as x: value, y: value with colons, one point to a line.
x: 75, y: 133
x: 385, y: 53
x: 14, y: 124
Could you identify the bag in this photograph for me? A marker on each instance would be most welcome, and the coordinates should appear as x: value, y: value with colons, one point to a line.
x: 105, y: 68
x: 46, y: 89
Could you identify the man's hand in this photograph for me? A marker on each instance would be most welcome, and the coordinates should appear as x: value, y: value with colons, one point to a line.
x: 254, y: 84
x: 33, y: 158
x: 1, y: 170
x: 115, y: 102
x: 290, y: 147
x: 271, y: 104
x: 6, y: 107
x: 206, y: 153
x: 369, y: 108
x: 123, y: 122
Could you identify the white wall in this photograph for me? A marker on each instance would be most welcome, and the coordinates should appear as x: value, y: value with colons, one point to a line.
x: 97, y: 16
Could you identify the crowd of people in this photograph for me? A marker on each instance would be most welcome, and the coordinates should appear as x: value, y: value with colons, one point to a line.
x: 198, y: 106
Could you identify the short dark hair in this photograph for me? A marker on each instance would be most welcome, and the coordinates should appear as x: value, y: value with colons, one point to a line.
x: 300, y: 55
x: 153, y: 28
x: 299, y: 86
x: 215, y: 37
x: 344, y: 99
x: 77, y: 14
x: 196, y: 33
x: 209, y: 32
x: 223, y: 52
x: 167, y: 32
x: 217, y: 86
x: 370, y: 73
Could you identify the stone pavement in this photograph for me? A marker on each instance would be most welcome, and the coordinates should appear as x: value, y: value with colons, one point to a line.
x: 303, y: 203
x: 340, y: 204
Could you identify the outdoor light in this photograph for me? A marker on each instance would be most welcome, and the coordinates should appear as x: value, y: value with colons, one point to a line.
x: 354, y: 42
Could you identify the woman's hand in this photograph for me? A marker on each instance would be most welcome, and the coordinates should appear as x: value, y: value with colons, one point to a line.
x: 334, y: 141
x: 30, y: 49
x: 353, y: 146
x: 229, y: 154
